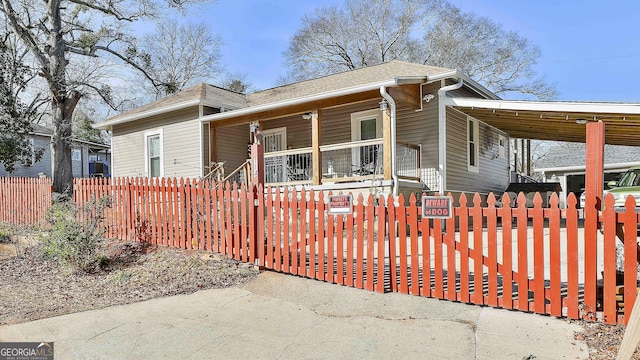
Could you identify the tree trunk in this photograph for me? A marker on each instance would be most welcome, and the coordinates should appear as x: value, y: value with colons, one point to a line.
x: 61, y: 150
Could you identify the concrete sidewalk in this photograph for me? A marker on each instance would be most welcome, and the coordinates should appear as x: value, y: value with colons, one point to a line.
x: 286, y: 317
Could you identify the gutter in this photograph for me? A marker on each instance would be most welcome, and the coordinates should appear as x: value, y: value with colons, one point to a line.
x: 392, y: 107
x: 442, y: 133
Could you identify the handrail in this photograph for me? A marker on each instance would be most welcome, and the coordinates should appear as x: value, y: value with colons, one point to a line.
x: 307, y: 150
x: 352, y: 144
x: 245, y: 166
x: 218, y: 166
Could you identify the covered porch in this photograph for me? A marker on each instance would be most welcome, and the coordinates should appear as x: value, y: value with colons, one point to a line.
x: 341, y: 143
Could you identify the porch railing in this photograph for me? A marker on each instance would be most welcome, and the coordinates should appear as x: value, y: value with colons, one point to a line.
x: 354, y: 160
x: 242, y: 174
x: 289, y: 166
x: 408, y: 161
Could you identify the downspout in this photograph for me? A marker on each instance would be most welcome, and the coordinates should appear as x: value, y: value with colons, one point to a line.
x: 392, y: 107
x: 442, y: 134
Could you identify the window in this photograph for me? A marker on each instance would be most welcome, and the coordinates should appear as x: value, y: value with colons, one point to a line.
x: 502, y: 146
x: 472, y: 145
x: 366, y: 125
x: 153, y: 154
x: 76, y: 155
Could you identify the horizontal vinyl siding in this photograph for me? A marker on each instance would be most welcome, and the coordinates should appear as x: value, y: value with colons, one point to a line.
x: 494, y: 172
x: 421, y: 128
x: 336, y: 122
x: 336, y: 125
x: 231, y: 146
x: 42, y: 166
x: 180, y: 148
x: 298, y: 130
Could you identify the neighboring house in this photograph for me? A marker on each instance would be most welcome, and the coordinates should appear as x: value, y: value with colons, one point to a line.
x: 327, y: 133
x: 88, y: 158
x: 395, y: 127
x: 565, y: 163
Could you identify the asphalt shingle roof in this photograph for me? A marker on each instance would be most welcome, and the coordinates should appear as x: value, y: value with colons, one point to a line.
x: 211, y: 94
x: 574, y: 154
x: 219, y: 97
x: 347, y: 79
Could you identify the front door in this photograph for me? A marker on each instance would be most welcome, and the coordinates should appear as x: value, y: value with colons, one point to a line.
x: 366, y: 125
x: 275, y: 167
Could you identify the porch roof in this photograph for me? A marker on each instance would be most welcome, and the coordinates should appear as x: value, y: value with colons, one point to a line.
x: 554, y: 120
x: 338, y: 89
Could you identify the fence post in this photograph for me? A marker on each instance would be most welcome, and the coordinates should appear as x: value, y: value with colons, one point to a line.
x: 593, y: 187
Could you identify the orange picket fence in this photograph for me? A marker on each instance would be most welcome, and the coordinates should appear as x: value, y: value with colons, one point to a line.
x: 24, y: 201
x: 546, y: 260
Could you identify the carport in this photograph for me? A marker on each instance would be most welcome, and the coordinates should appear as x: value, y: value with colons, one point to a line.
x: 594, y: 123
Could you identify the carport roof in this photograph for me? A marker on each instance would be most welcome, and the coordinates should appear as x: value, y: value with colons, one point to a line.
x: 554, y: 120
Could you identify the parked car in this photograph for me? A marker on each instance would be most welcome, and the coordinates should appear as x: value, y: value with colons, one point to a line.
x: 629, y: 184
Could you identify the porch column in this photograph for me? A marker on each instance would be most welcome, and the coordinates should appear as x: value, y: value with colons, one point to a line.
x: 213, y: 151
x: 316, y: 136
x: 386, y: 144
x: 594, y: 185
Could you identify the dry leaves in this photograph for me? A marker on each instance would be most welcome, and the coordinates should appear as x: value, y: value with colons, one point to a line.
x: 32, y: 288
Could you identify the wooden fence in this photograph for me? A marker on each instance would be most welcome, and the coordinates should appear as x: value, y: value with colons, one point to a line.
x: 24, y: 201
x: 530, y: 259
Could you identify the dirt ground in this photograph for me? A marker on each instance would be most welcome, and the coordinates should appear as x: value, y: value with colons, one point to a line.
x: 32, y: 288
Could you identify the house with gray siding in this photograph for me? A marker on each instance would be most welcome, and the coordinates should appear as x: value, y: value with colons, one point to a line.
x: 88, y: 159
x: 384, y: 129
x: 566, y: 163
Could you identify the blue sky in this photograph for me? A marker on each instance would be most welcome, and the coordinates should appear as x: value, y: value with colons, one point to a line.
x: 590, y: 49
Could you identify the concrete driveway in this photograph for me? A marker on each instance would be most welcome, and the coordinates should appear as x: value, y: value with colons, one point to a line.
x: 287, y: 317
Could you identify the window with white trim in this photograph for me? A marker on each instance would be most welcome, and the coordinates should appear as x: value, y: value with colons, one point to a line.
x: 153, y: 154
x: 366, y: 125
x: 472, y: 145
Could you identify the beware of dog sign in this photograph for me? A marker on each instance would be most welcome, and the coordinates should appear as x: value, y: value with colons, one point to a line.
x: 437, y: 207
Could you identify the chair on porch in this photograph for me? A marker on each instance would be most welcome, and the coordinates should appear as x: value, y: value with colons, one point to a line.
x: 298, y: 167
x: 369, y: 163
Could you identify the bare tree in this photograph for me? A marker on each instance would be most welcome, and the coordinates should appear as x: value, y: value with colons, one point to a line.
x: 501, y: 60
x: 362, y: 33
x: 57, y: 34
x: 367, y: 32
x: 180, y: 54
x: 237, y: 82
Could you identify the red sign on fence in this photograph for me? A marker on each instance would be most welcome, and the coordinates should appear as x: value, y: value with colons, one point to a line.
x: 436, y: 207
x: 340, y: 204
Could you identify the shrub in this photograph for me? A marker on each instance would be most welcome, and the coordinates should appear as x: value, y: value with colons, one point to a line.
x: 5, y: 233
x: 74, y: 234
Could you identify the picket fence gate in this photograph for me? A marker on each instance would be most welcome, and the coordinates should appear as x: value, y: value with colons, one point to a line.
x: 520, y: 258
